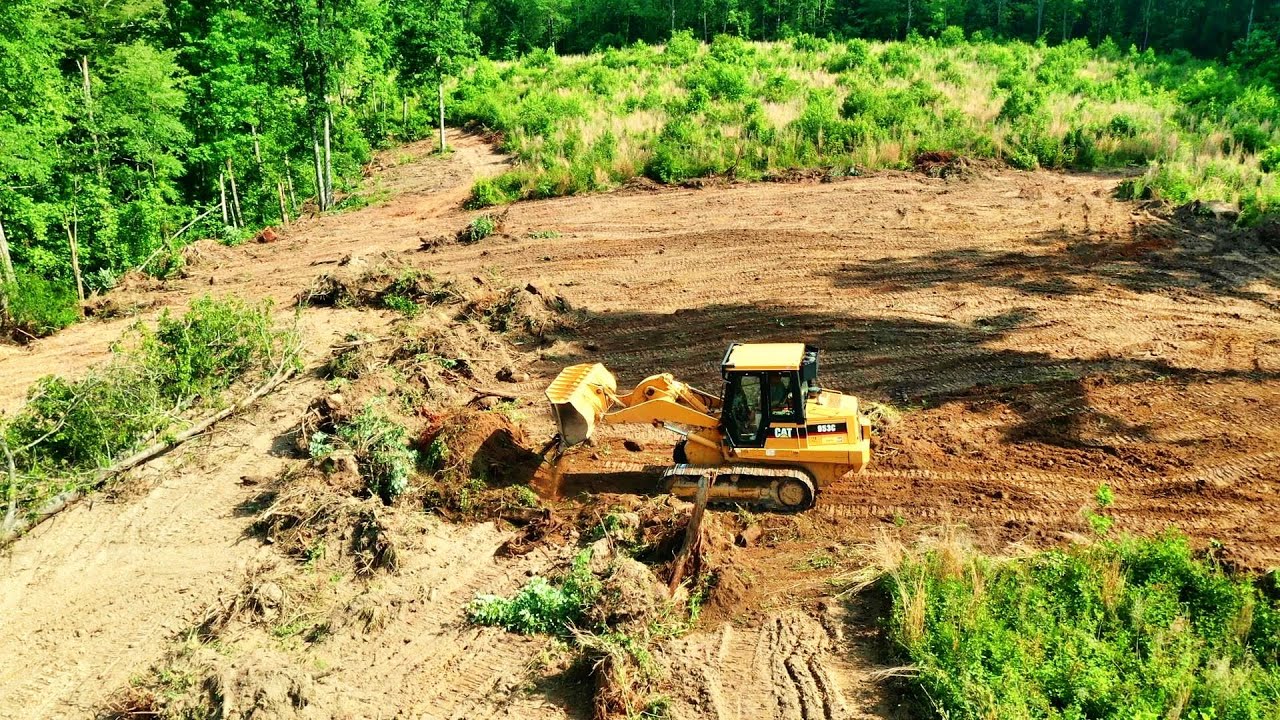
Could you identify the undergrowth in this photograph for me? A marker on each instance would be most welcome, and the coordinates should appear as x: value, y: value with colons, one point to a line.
x: 541, y: 606
x: 1130, y: 628
x: 380, y: 446
x: 751, y: 110
x: 154, y: 382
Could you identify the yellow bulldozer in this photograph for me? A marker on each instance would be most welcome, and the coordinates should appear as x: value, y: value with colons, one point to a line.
x: 773, y: 439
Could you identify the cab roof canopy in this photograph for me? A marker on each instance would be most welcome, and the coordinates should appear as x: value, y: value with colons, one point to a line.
x: 763, y: 356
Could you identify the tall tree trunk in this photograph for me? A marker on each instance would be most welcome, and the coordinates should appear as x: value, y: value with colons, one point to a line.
x: 328, y: 158
x: 910, y: 11
x: 288, y: 177
x: 1065, y: 6
x: 284, y: 212
x: 1039, y: 17
x: 1248, y: 26
x: 440, y: 92
x: 320, y: 198
x: 88, y: 107
x: 222, y: 194
x: 404, y: 114
x: 1146, y: 28
x: 72, y: 228
x: 999, y: 16
x: 257, y: 148
x: 6, y: 260
x: 235, y: 196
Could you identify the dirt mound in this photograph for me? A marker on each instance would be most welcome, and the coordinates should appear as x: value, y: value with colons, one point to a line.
x: 531, y: 311
x: 631, y: 598
x: 943, y: 164
x: 482, y: 445
x: 383, y: 280
x: 133, y: 293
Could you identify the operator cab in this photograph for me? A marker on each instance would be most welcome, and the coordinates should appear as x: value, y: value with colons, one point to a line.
x: 766, y: 386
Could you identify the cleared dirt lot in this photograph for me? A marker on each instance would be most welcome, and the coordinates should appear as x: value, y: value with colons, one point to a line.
x: 1036, y: 337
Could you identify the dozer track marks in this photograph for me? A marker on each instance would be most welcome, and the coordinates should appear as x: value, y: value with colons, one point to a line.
x: 781, y: 489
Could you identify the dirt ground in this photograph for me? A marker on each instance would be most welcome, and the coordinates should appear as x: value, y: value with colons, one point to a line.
x: 1035, y: 338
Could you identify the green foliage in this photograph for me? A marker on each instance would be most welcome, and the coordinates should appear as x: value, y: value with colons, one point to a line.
x: 1135, y: 628
x: 481, y: 227
x: 541, y: 606
x: 38, y: 307
x: 200, y: 353
x: 68, y: 428
x: 1269, y: 160
x: 380, y: 446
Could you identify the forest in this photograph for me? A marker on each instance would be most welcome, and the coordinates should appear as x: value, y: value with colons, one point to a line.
x: 128, y: 129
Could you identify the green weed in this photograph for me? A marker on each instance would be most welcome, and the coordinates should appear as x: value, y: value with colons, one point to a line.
x: 541, y: 606
x: 1131, y: 628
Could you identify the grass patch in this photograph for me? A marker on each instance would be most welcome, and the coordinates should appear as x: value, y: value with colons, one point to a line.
x: 1129, y: 628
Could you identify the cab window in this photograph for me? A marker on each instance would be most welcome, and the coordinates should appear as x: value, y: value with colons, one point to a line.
x: 745, y: 416
x: 782, y: 398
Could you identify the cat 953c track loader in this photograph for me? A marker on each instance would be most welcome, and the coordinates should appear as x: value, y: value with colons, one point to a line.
x: 772, y: 440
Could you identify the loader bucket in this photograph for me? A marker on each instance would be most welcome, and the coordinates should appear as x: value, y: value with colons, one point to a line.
x: 579, y: 395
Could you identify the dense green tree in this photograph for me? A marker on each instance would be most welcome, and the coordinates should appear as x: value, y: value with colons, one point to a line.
x: 432, y: 43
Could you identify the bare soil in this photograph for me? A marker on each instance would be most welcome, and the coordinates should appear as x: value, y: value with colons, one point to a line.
x: 1033, y: 338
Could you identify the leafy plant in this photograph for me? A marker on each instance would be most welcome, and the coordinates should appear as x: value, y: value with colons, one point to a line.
x: 541, y: 606
x: 380, y: 446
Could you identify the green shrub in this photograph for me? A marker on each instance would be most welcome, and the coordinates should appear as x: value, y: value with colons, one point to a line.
x: 70, y: 426
x: 1250, y: 137
x: 857, y: 54
x: 481, y: 227
x: 38, y: 307
x: 719, y: 80
x: 200, y: 353
x: 681, y: 48
x: 1120, y: 629
x: 487, y: 192
x: 540, y: 606
x: 1021, y: 102
x: 380, y: 446
x: 1269, y: 159
x: 951, y: 36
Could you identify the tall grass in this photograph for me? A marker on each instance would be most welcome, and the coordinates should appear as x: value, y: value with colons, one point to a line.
x: 1192, y: 129
x: 1133, y: 629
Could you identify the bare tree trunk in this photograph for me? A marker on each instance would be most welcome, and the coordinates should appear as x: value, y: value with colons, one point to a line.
x: 235, y: 196
x: 222, y: 195
x: 257, y: 149
x: 440, y: 92
x: 72, y: 227
x: 1065, y: 6
x: 6, y: 260
x: 404, y: 114
x: 1248, y: 27
x: 319, y: 162
x: 88, y: 106
x: 288, y: 176
x: 1039, y: 18
x: 284, y: 212
x: 910, y: 12
x: 328, y: 159
x: 1146, y: 28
